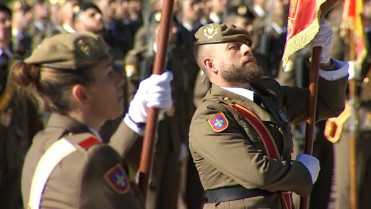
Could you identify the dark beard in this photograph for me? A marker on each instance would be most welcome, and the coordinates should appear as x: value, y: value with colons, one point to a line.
x: 250, y: 73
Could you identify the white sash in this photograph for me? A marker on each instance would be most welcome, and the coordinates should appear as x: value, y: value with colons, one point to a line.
x: 59, y: 150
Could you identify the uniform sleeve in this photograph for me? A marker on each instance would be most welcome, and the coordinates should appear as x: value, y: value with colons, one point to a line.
x: 330, y: 100
x: 235, y: 154
x: 128, y: 144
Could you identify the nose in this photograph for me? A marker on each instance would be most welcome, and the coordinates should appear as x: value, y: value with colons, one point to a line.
x: 245, y: 49
x: 98, y: 16
x: 120, y: 81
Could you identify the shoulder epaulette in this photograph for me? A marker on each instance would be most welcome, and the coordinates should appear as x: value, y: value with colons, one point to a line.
x: 84, y: 141
x: 87, y: 143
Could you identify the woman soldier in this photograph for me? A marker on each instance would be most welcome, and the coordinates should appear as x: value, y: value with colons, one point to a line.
x: 67, y: 166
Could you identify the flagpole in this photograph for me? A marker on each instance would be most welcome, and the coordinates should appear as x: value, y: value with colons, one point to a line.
x: 311, y: 117
x: 159, y: 64
x: 353, y: 127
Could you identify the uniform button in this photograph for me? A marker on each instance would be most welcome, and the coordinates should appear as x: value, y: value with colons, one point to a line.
x: 226, y: 98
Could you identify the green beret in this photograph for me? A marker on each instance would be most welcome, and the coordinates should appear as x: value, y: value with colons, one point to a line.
x: 221, y: 33
x: 70, y: 51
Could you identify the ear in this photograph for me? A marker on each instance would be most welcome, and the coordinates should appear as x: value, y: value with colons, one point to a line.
x: 79, y: 95
x: 209, y: 65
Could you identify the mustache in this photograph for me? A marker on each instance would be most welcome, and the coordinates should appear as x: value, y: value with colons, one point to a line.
x: 249, y: 58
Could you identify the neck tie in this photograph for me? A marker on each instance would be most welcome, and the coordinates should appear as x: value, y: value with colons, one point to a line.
x: 258, y: 100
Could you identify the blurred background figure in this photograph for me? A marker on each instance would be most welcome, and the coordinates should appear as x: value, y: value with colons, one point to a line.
x: 129, y: 12
x: 88, y: 18
x: 22, y: 17
x: 118, y: 35
x: 66, y: 24
x: 217, y: 10
x: 359, y: 113
x: 19, y: 121
x: 41, y: 27
x: 241, y: 16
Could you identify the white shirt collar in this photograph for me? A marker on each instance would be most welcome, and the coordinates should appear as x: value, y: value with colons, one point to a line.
x: 96, y: 133
x: 215, y: 18
x: 68, y: 28
x: 7, y: 51
x: 241, y: 91
x: 187, y: 26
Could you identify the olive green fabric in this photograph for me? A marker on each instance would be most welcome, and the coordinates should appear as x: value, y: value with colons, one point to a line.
x: 221, y: 33
x: 70, y: 51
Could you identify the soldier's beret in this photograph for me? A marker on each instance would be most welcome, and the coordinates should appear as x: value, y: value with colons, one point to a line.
x: 221, y: 33
x: 242, y: 11
x: 80, y: 8
x: 70, y: 51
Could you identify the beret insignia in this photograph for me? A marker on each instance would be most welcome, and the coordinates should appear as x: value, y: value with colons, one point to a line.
x: 117, y: 179
x: 85, y: 45
x: 210, y: 31
x: 218, y: 122
x: 242, y: 10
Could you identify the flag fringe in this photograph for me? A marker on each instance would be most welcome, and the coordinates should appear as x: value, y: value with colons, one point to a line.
x: 300, y: 40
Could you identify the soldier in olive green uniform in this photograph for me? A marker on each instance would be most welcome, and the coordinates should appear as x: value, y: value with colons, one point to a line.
x: 242, y: 147
x: 19, y: 121
x: 67, y: 166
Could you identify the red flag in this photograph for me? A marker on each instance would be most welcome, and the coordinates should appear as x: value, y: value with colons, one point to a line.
x: 303, y: 24
x: 351, y: 20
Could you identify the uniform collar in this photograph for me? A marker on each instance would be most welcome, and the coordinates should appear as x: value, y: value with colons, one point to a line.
x: 241, y: 91
x: 69, y: 124
x: 241, y: 97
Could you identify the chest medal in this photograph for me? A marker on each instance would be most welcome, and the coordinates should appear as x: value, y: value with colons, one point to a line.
x: 283, y: 116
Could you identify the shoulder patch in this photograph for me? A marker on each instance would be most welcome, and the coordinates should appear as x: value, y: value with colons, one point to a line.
x: 117, y: 179
x: 218, y: 122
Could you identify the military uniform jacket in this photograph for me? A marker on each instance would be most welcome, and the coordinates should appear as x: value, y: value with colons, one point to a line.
x: 86, y: 177
x: 235, y: 155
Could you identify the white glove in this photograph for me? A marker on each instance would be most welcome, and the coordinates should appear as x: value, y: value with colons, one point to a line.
x: 153, y: 92
x: 324, y: 40
x: 354, y: 70
x: 311, y: 163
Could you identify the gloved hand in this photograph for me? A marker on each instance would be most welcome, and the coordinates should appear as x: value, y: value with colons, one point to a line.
x: 354, y: 70
x: 153, y: 92
x: 311, y: 163
x: 324, y: 40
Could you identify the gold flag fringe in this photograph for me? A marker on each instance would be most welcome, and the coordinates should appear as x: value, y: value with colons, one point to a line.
x: 304, y: 37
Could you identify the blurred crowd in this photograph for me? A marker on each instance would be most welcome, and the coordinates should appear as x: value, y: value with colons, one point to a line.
x: 130, y: 28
